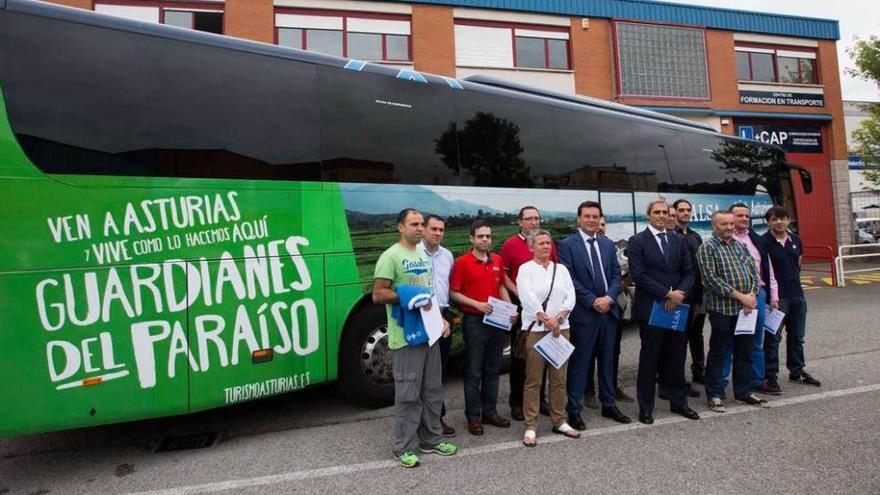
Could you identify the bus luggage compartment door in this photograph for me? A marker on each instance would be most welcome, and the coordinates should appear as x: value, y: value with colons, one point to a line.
x: 81, y: 348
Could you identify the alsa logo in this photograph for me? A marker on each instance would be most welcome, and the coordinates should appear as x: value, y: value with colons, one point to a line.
x: 416, y: 267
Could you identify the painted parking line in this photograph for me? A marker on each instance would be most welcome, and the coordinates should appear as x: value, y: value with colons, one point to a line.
x: 330, y: 471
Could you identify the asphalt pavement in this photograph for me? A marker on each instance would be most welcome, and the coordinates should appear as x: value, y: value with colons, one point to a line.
x: 811, y: 440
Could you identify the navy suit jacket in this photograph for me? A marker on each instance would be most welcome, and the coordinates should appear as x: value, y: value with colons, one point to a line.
x: 574, y: 255
x: 652, y: 275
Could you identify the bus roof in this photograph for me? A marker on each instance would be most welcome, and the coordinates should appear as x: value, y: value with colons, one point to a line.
x: 476, y: 83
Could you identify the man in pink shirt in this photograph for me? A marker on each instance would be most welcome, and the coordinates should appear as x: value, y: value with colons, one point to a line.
x: 768, y: 295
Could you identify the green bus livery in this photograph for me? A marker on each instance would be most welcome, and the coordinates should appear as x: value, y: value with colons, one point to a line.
x: 191, y: 221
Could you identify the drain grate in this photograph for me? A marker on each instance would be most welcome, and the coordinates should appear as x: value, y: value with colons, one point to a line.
x: 186, y: 442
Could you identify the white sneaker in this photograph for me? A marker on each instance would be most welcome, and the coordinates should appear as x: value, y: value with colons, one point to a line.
x: 715, y: 405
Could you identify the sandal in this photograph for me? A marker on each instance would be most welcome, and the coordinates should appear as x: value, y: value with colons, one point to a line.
x: 565, y: 429
x: 529, y: 439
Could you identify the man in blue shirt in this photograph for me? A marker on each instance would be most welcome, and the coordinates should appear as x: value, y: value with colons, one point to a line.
x: 786, y: 252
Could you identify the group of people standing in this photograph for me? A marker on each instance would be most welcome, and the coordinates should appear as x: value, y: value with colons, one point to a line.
x: 572, y: 290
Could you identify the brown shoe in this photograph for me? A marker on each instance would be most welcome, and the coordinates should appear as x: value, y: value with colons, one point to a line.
x: 516, y: 412
x: 498, y: 421
x: 475, y: 427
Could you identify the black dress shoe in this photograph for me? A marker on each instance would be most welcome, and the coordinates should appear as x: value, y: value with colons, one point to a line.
x: 576, y: 422
x: 448, y: 431
x: 685, y: 411
x: 646, y: 418
x: 691, y: 391
x: 516, y: 412
x: 614, y: 413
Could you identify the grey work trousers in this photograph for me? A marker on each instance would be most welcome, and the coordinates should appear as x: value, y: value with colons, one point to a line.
x: 418, y: 397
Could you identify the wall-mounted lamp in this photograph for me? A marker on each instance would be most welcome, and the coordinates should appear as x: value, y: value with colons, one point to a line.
x: 585, y: 23
x: 725, y: 121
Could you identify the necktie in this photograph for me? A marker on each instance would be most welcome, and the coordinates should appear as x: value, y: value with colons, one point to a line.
x: 598, y: 281
x: 665, y: 244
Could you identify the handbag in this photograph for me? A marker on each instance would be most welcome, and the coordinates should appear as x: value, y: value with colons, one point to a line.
x: 519, y: 344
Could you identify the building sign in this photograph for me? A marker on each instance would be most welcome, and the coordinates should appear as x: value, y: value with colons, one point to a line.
x: 781, y: 99
x: 791, y: 138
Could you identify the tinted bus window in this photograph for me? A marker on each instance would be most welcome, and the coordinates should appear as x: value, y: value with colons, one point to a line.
x: 382, y: 129
x: 505, y: 142
x: 721, y: 166
x: 658, y: 156
x: 131, y: 109
x: 594, y: 151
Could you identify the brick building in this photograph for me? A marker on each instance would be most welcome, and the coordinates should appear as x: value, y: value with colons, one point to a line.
x: 766, y: 76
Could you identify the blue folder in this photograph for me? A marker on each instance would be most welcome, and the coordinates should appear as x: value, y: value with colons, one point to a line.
x: 673, y: 320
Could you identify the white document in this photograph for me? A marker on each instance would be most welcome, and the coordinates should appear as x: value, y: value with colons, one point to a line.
x: 773, y: 320
x: 556, y: 350
x: 501, y: 313
x: 433, y: 321
x: 746, y: 323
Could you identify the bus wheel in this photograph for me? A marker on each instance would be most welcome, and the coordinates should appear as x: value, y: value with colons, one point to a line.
x: 365, y: 374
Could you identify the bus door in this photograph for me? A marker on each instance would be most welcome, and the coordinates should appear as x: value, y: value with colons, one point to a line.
x: 260, y: 328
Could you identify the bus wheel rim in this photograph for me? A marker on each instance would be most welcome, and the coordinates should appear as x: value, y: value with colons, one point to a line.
x: 376, y: 357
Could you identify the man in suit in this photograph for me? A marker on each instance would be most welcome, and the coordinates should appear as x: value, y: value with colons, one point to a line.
x: 592, y: 261
x: 660, y: 264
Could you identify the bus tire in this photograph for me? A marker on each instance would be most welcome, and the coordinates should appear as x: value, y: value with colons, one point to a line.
x: 365, y: 374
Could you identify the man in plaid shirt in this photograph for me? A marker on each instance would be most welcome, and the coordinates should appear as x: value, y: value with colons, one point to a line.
x: 730, y: 280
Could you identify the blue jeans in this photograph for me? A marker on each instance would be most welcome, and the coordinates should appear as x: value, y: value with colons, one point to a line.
x: 722, y: 333
x: 757, y: 347
x: 484, y: 345
x: 795, y: 309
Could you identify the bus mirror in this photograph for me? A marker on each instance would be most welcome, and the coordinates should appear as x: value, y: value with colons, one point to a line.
x: 806, y: 180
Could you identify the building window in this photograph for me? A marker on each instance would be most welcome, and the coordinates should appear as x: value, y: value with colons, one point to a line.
x: 346, y: 35
x: 797, y: 70
x: 779, y: 66
x: 541, y: 53
x: 487, y: 44
x: 661, y: 61
x: 210, y: 22
x: 206, y: 19
x: 755, y: 67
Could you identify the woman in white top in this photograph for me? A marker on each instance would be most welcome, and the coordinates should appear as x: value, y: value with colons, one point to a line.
x: 534, y: 284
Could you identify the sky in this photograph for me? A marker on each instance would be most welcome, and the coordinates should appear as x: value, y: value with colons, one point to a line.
x: 858, y: 18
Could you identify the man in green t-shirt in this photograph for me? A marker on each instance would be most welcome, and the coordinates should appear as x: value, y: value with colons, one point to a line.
x: 418, y: 390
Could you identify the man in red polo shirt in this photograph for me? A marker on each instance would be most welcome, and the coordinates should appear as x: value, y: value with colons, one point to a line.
x: 515, y: 251
x: 476, y: 276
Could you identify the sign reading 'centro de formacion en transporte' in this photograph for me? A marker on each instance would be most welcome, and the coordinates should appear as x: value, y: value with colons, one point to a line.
x: 781, y: 99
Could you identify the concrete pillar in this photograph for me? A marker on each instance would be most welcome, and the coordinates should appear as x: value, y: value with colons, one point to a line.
x: 842, y: 205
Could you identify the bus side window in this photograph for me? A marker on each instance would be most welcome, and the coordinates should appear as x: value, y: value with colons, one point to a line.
x: 382, y: 129
x: 659, y: 158
x: 505, y: 142
x: 130, y: 109
x: 594, y: 151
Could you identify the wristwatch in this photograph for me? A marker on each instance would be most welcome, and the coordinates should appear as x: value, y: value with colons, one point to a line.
x: 560, y: 319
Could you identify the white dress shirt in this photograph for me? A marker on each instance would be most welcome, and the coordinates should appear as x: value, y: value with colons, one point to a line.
x: 533, y: 284
x: 657, y: 237
x: 441, y: 268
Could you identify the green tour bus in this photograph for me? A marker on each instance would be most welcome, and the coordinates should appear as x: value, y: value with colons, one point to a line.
x: 191, y: 221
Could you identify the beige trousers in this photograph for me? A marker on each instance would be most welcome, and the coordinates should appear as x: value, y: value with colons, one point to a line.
x: 535, y: 365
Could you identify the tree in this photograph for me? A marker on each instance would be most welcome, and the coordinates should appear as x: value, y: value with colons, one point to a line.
x: 866, y: 56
